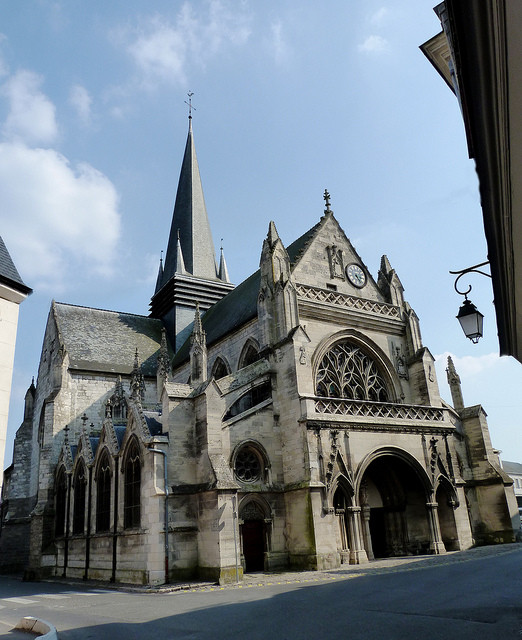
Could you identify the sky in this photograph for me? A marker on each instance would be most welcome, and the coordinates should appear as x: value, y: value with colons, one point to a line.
x: 291, y: 98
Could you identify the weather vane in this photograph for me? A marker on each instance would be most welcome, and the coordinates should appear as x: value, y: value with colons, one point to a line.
x: 189, y: 103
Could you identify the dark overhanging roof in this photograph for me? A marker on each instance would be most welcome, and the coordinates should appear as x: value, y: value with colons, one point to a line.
x: 8, y: 272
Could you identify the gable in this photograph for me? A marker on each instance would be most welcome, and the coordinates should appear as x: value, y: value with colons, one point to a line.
x: 323, y: 260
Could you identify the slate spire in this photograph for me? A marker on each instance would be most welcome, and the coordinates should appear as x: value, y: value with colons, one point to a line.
x: 191, y: 221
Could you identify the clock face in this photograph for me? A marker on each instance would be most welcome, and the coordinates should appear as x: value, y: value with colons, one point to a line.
x: 356, y: 275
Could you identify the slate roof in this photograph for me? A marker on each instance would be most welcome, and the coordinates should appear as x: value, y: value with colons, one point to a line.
x: 512, y: 467
x: 240, y: 305
x: 8, y: 272
x: 106, y: 341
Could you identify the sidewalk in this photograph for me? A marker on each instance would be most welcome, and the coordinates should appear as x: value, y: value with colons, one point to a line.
x: 385, y: 565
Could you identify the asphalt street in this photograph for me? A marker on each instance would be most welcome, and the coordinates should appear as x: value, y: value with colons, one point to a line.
x: 475, y: 594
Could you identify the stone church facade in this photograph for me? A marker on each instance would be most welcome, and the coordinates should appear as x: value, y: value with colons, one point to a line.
x: 292, y: 421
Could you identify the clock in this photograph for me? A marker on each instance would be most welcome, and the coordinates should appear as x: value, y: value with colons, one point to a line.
x: 356, y: 275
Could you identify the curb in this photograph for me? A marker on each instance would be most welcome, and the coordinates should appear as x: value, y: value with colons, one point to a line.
x: 41, y: 628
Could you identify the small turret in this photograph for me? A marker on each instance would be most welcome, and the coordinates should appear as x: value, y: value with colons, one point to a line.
x: 389, y: 283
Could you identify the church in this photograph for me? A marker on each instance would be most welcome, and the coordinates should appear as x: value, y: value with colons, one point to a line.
x: 292, y: 421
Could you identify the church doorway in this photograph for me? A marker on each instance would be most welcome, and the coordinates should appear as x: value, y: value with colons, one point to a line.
x: 446, y: 509
x: 393, y: 493
x: 253, y: 537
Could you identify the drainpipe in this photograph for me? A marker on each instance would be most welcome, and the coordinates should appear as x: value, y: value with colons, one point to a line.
x: 166, y: 513
x: 67, y: 518
x: 115, y: 527
x: 88, y: 536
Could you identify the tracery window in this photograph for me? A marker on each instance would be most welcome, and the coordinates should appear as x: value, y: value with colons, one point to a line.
x: 348, y: 372
x: 103, y: 494
x: 80, y: 489
x: 132, y: 488
x: 61, y: 501
x: 248, y: 464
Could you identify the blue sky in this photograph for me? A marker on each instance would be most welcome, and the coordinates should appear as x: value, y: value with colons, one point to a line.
x: 291, y: 98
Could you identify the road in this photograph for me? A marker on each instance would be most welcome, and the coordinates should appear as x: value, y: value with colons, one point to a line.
x: 476, y: 596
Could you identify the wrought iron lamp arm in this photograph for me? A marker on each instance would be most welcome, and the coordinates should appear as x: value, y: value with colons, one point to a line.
x: 473, y: 269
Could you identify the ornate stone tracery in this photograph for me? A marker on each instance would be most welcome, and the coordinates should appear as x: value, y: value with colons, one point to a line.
x: 347, y: 372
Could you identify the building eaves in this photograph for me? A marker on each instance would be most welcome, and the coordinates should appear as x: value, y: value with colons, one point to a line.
x: 8, y: 272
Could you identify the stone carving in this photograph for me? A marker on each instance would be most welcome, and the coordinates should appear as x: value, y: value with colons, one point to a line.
x: 335, y: 259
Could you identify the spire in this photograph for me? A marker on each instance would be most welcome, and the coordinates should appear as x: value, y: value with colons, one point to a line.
x: 223, y: 271
x: 190, y: 218
x: 454, y: 385
x: 159, y: 279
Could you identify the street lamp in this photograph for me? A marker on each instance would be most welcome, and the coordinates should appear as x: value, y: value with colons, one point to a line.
x: 470, y: 318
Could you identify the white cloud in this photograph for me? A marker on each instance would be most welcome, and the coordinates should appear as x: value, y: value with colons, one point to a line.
x: 80, y: 99
x: 59, y: 217
x: 468, y: 366
x: 278, y: 45
x: 31, y: 116
x: 374, y: 44
x: 379, y: 17
x: 163, y: 50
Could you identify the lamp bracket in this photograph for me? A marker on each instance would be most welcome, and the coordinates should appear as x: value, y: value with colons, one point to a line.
x: 474, y: 269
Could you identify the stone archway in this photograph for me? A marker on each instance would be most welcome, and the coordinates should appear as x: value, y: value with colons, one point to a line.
x: 342, y: 503
x: 446, y: 504
x: 254, y: 536
x: 394, y: 503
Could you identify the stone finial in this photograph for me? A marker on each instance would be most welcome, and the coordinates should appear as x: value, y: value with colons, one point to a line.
x: 137, y: 384
x: 198, y: 351
x: 163, y: 358
x: 84, y: 419
x: 326, y: 198
x: 454, y: 385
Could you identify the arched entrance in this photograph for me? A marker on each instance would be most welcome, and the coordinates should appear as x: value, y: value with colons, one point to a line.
x: 446, y: 504
x: 253, y: 531
x: 393, y: 493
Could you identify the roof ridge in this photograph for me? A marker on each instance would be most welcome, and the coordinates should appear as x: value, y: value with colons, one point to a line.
x: 82, y: 306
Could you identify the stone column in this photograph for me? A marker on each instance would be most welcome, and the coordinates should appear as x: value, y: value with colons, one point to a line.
x: 367, y: 537
x: 357, y: 552
x: 436, y: 544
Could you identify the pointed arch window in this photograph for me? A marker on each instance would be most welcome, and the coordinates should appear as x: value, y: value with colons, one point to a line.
x: 80, y: 490
x: 346, y: 371
x: 103, y: 494
x: 220, y: 369
x: 132, y: 487
x: 250, y: 354
x: 61, y: 503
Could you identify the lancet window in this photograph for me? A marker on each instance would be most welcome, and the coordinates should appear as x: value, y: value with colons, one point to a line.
x: 80, y: 487
x: 346, y: 371
x: 220, y: 369
x: 250, y: 354
x: 132, y: 487
x: 61, y: 502
x: 103, y: 494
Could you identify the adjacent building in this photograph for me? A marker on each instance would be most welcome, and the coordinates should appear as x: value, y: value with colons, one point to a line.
x: 293, y: 420
x: 13, y: 291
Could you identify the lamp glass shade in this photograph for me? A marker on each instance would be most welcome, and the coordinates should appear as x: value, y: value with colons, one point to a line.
x: 471, y: 321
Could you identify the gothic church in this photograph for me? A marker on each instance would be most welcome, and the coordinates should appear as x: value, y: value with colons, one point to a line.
x: 292, y: 421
